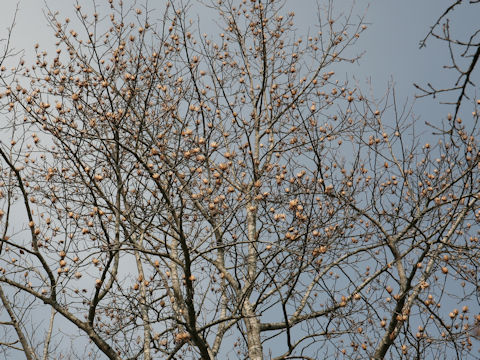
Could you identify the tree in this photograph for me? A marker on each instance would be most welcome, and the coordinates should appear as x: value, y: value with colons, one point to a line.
x: 178, y: 195
x: 464, y: 52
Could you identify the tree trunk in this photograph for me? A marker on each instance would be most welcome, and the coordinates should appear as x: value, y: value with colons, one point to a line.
x: 254, y: 342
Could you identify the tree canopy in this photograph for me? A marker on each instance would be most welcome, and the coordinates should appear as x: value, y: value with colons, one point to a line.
x: 173, y: 194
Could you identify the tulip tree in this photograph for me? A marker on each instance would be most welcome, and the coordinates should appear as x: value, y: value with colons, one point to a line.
x: 172, y: 194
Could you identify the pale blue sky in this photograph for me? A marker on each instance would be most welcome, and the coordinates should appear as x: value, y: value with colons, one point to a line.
x: 390, y: 44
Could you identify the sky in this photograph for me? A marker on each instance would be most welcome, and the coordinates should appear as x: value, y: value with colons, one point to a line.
x: 390, y: 45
